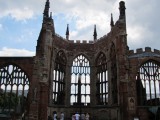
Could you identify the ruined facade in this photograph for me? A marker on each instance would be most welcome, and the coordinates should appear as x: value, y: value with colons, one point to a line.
x: 100, y: 77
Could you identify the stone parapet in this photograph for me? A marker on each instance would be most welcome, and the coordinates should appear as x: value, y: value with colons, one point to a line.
x: 141, y: 50
x: 81, y: 41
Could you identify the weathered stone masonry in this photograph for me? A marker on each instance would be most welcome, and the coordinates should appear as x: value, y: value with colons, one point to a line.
x: 112, y: 52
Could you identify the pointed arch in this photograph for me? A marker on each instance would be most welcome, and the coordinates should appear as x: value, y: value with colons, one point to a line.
x: 14, y: 86
x: 102, y: 79
x: 81, y: 54
x: 18, y: 66
x: 59, y: 78
x: 80, y: 81
x: 148, y: 83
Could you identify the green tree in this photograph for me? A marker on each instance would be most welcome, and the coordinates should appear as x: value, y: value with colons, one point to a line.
x: 8, y: 100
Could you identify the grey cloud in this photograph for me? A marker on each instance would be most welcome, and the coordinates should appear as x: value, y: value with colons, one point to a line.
x: 144, y: 14
x: 140, y: 13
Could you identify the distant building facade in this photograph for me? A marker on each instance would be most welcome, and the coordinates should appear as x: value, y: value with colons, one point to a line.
x: 100, y: 77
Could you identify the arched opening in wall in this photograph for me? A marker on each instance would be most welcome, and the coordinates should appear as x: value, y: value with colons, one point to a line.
x: 148, y: 84
x: 102, y: 80
x: 59, y: 79
x: 14, y: 86
x: 80, y: 81
x: 114, y: 89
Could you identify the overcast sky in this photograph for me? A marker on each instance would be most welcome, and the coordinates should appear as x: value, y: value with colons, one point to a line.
x: 21, y: 20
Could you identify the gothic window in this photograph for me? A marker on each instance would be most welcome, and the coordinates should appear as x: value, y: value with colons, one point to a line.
x: 113, y: 74
x: 80, y: 81
x: 14, y: 85
x: 59, y: 78
x: 102, y: 80
x: 148, y: 84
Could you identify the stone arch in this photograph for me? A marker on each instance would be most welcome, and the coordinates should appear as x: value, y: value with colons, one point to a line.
x: 148, y: 60
x: 80, y: 81
x: 59, y: 73
x: 19, y: 66
x: 147, y: 83
x: 102, y: 79
x: 14, y: 84
x: 86, y: 56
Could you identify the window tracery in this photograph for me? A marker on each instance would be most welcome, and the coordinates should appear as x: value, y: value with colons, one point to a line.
x: 59, y: 78
x: 80, y: 81
x: 148, y: 84
x: 102, y: 80
x: 14, y: 85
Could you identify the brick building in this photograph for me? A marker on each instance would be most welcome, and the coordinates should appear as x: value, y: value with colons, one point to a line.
x: 100, y: 77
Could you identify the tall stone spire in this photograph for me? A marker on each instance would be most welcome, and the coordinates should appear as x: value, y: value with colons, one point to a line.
x: 122, y: 9
x: 67, y: 32
x: 112, y: 22
x: 95, y: 33
x: 46, y: 9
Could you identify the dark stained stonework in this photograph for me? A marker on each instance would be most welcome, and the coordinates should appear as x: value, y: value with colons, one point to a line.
x: 122, y: 65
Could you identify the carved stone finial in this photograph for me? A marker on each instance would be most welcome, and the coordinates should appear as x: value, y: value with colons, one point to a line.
x: 67, y: 32
x: 95, y: 33
x: 122, y: 10
x: 112, y: 22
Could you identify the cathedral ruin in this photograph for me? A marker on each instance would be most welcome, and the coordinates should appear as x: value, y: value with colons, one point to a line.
x: 102, y: 77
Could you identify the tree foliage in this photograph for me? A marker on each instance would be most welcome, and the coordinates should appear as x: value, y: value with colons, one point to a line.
x: 8, y: 100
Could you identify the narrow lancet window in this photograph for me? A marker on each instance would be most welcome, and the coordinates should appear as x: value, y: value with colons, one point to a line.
x: 59, y: 79
x: 102, y: 80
